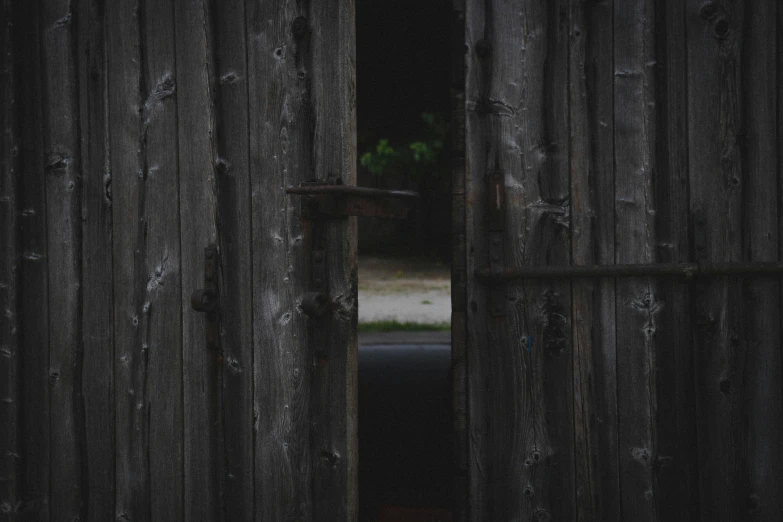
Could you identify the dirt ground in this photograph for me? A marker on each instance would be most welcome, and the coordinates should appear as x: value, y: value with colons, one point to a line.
x: 405, y: 290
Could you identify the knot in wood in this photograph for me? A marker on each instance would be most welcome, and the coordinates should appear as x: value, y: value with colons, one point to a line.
x: 299, y: 26
x: 483, y: 48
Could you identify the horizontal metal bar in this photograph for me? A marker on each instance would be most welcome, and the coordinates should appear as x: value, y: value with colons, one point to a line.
x: 350, y: 190
x: 669, y: 270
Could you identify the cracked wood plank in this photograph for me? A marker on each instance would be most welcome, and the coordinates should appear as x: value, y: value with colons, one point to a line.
x: 302, y: 125
x: 458, y: 266
x: 197, y: 153
x: 97, y: 285
x: 62, y: 169
x: 675, y: 428
x: 638, y: 303
x: 233, y: 189
x: 593, y: 242
x: 762, y: 449
x: 148, y: 337
x: 519, y: 366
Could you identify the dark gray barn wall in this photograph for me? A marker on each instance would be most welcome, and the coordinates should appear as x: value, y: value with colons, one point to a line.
x: 637, y: 399
x: 133, y: 152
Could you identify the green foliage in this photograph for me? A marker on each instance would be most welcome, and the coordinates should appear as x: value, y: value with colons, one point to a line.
x: 379, y: 161
x: 396, y: 326
x: 419, y: 158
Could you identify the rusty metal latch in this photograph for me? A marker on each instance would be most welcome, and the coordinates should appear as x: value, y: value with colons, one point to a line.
x: 331, y: 199
x: 207, y: 299
x: 682, y: 271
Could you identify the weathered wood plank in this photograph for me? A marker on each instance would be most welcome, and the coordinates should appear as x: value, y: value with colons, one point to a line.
x: 637, y: 300
x: 63, y: 216
x: 458, y: 265
x: 519, y: 366
x: 97, y: 286
x: 233, y: 187
x: 302, y: 125
x: 675, y: 427
x: 591, y: 103
x: 477, y: 257
x: 159, y: 277
x: 715, y: 174
x: 198, y: 228
x: 334, y: 444
x: 280, y: 119
x: 761, y: 449
x: 33, y: 306
x: 124, y: 107
x: 148, y: 348
x: 10, y: 353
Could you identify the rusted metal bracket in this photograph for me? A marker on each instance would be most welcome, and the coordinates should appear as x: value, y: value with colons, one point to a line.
x: 684, y: 271
x: 497, y: 232
x: 331, y: 199
x: 207, y: 299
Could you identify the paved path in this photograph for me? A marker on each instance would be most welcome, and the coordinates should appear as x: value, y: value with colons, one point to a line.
x: 403, y: 290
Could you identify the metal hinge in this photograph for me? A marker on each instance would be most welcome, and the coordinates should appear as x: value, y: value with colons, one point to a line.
x: 207, y: 299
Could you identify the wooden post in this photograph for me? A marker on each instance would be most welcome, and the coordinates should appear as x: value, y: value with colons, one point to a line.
x: 10, y: 356
x: 234, y: 215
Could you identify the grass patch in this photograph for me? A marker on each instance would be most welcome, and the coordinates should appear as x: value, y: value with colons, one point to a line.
x: 396, y: 326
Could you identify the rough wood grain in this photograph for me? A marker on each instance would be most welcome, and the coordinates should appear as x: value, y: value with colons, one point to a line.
x: 591, y: 102
x: 761, y: 450
x: 233, y: 189
x: 675, y: 427
x: 519, y: 366
x: 334, y: 444
x: 715, y: 175
x: 279, y: 122
x: 124, y: 104
x: 96, y: 254
x: 148, y: 348
x: 458, y: 266
x: 637, y: 301
x: 198, y: 228
x: 33, y: 307
x: 302, y: 126
x: 62, y: 166
x: 10, y: 356
x: 160, y: 282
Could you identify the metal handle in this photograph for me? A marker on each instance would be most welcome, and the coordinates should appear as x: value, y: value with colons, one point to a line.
x: 331, y: 199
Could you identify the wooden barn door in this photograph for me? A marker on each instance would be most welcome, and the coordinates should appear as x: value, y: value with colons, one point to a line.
x: 618, y: 132
x: 147, y: 149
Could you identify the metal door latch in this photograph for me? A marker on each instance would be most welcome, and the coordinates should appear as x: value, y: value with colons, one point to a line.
x: 207, y: 299
x: 331, y: 199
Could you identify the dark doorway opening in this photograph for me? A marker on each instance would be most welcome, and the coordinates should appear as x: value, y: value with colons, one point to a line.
x: 405, y: 420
